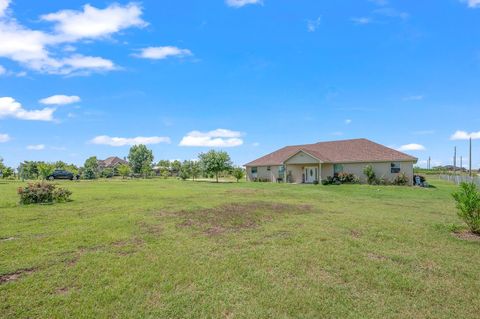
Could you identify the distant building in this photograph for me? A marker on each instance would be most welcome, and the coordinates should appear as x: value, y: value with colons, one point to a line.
x: 111, y: 162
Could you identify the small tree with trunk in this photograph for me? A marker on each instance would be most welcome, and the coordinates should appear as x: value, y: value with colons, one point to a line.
x: 215, y: 162
x: 238, y: 173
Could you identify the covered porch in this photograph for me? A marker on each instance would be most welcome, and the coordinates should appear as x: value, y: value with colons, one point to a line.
x: 303, y: 168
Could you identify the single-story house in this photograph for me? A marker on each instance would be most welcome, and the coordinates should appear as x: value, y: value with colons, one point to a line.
x: 315, y: 162
x: 111, y: 162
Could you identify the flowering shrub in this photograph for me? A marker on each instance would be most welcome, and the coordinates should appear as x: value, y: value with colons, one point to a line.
x: 42, y: 193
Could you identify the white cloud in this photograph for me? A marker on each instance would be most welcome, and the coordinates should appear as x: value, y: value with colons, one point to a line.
x: 11, y: 108
x: 38, y: 147
x: 95, y: 23
x: 312, y: 25
x: 361, y: 20
x: 4, y: 138
x: 412, y: 147
x: 463, y: 135
x: 472, y: 3
x: 348, y: 121
x: 159, y: 53
x: 241, y: 3
x: 2, y: 69
x: 3, y: 7
x: 216, y: 138
x: 122, y: 141
x: 44, y: 51
x: 60, y: 100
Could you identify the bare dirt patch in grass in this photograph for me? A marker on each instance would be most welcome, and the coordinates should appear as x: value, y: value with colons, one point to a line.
x: 236, y: 216
x: 355, y: 233
x: 15, y: 275
x: 7, y: 239
x: 467, y: 235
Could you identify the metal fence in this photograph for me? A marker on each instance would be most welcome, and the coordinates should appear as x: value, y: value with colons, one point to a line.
x: 457, y: 179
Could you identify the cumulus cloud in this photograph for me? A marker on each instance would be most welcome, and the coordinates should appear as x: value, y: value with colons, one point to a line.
x: 412, y: 147
x: 43, y: 51
x: 11, y: 108
x: 216, y: 138
x: 463, y: 135
x: 472, y: 3
x: 159, y: 53
x: 2, y: 70
x: 3, y: 7
x: 60, y: 100
x: 4, y: 138
x: 241, y: 3
x: 123, y: 141
x: 92, y: 22
x: 37, y: 147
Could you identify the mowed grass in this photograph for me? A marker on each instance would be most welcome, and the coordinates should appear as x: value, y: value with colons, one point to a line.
x: 171, y: 249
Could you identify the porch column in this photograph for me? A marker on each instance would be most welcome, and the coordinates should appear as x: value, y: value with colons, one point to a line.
x: 285, y: 173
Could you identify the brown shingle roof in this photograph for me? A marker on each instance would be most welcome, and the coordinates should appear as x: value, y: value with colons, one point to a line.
x: 112, y: 161
x: 346, y: 151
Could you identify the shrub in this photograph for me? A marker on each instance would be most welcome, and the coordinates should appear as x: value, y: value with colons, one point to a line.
x: 468, y: 205
x: 107, y: 173
x: 315, y: 182
x: 371, y: 176
x: 89, y: 174
x: 400, y: 180
x: 42, y: 193
x: 348, y: 178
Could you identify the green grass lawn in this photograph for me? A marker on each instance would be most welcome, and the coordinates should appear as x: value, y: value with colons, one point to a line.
x: 171, y: 249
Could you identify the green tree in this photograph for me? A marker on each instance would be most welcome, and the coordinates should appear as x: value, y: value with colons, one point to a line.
x: 195, y: 169
x: 238, y: 173
x: 214, y: 162
x: 28, y: 170
x: 91, y: 169
x: 140, y: 158
x: 45, y: 169
x: 185, y: 170
x: 468, y: 205
x: 5, y: 171
x: 124, y: 170
x: 175, y: 167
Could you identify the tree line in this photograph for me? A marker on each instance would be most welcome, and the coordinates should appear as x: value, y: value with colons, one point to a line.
x: 212, y: 164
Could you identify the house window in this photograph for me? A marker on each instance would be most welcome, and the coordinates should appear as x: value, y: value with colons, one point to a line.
x: 254, y: 170
x: 269, y: 168
x: 395, y: 168
x: 337, y: 168
x: 281, y: 170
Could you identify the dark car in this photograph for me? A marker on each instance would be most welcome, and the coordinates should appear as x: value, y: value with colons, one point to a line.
x: 62, y: 174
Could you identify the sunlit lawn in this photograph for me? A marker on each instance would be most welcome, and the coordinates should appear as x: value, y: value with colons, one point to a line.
x: 172, y: 249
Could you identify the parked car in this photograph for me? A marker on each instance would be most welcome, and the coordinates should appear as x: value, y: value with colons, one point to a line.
x: 62, y: 174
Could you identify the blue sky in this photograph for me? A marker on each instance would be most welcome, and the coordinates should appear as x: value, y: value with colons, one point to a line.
x: 91, y: 78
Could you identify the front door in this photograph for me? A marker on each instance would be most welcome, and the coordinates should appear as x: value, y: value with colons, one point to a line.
x: 311, y: 174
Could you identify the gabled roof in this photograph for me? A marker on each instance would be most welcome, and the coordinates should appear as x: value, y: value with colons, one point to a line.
x: 346, y: 151
x: 112, y: 161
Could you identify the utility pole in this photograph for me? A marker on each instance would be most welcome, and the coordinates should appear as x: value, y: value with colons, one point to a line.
x: 454, y: 159
x: 461, y: 164
x: 470, y: 159
x: 429, y: 161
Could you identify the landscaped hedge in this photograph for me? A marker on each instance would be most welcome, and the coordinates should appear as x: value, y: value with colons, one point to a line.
x: 43, y: 193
